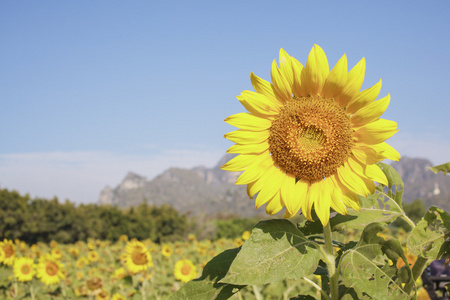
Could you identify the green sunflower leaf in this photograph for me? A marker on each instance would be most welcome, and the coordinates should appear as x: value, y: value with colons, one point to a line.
x: 276, y: 250
x: 370, y: 267
x: 207, y: 286
x: 395, y: 182
x: 430, y: 237
x: 444, y: 168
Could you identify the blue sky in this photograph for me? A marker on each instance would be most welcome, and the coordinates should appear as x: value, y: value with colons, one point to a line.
x: 90, y: 90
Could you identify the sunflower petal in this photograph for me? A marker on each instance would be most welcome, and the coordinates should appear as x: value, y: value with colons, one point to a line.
x: 370, y: 112
x: 248, y: 121
x: 336, y: 196
x: 280, y: 84
x: 239, y: 163
x: 254, y: 171
x: 321, y: 192
x: 386, y: 150
x: 263, y: 87
x: 247, y: 137
x: 349, y: 198
x: 372, y: 172
x: 315, y: 73
x: 258, y: 104
x: 287, y: 191
x: 286, y: 67
x: 367, y: 155
x: 337, y: 79
x: 274, y: 205
x: 298, y: 69
x: 249, y: 148
x: 354, y: 82
x: 364, y: 98
x: 351, y: 180
x: 376, y: 132
x: 272, y: 186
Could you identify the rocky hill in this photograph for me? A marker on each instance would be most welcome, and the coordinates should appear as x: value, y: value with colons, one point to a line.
x: 212, y: 190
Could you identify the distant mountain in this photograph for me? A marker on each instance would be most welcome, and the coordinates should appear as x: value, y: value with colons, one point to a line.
x: 422, y: 183
x: 212, y: 190
x: 196, y: 190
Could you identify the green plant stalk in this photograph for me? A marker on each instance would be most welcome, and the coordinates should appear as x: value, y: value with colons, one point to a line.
x: 257, y: 292
x: 322, y: 292
x: 330, y: 261
x: 408, y: 220
x: 417, y: 270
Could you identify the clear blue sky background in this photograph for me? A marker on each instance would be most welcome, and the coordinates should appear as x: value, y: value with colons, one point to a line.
x: 90, y: 90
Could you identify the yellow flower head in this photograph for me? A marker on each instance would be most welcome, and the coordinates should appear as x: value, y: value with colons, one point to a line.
x: 119, y: 273
x: 74, y: 251
x: 56, y: 252
x: 49, y: 269
x: 53, y: 244
x: 123, y: 238
x: 166, y: 250
x: 117, y: 296
x: 137, y: 257
x: 311, y: 138
x: 94, y: 285
x: 93, y: 256
x: 245, y: 235
x: 185, y: 270
x: 24, y: 269
x: 8, y: 250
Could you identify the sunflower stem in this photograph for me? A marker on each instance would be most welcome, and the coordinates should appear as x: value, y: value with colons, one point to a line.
x: 330, y: 261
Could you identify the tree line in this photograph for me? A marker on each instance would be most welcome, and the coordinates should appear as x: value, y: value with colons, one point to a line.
x: 42, y: 220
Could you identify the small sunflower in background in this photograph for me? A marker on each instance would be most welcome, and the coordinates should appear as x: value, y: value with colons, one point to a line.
x: 53, y: 244
x: 8, y: 250
x: 49, y: 269
x: 246, y: 235
x: 166, y: 250
x: 137, y: 257
x: 93, y: 256
x: 311, y: 138
x: 185, y: 270
x: 117, y: 296
x: 56, y: 252
x: 123, y: 238
x: 74, y: 251
x: 24, y: 269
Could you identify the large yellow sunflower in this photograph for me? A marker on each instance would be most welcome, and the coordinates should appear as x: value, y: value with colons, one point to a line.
x: 49, y: 269
x: 137, y: 257
x: 311, y: 138
x: 24, y: 269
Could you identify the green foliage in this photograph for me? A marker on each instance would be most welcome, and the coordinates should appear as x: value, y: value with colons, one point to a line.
x: 368, y: 269
x: 234, y: 227
x: 429, y: 238
x: 372, y: 268
x: 444, y: 168
x: 208, y: 286
x: 275, y: 251
x: 41, y: 220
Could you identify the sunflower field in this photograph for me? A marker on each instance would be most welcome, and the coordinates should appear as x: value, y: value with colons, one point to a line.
x: 131, y: 269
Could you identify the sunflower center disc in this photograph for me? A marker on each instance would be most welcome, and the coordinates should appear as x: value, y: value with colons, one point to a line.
x: 25, y: 269
x: 139, y: 258
x: 51, y: 269
x: 185, y: 269
x: 310, y: 138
